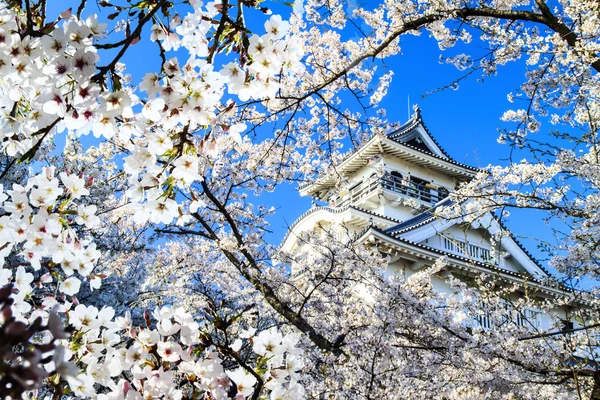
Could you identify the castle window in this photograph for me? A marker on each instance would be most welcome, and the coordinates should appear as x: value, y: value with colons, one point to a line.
x: 529, y: 318
x: 393, y: 181
x: 567, y: 325
x: 412, y: 186
x: 443, y: 192
x: 468, y: 249
x: 526, y: 318
x: 419, y: 189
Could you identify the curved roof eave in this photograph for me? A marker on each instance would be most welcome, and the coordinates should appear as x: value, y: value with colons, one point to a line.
x: 366, y: 214
x: 400, y: 243
x: 379, y: 145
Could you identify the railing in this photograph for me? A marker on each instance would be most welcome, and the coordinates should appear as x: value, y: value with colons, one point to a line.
x: 412, y: 189
x: 395, y: 184
x: 468, y: 249
x: 526, y: 318
x: 359, y: 191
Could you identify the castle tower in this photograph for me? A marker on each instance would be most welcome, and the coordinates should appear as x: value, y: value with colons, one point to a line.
x: 387, y: 197
x: 395, y: 176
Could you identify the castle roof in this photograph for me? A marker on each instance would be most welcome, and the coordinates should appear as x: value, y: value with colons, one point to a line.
x: 428, y: 217
x: 422, y: 238
x: 415, y: 133
x: 357, y: 216
x: 411, y: 142
x: 419, y: 220
x: 457, y: 262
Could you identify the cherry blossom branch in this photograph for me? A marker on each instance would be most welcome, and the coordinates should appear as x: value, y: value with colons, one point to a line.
x: 81, y: 7
x: 270, y: 296
x: 559, y: 27
x: 44, y: 132
x: 465, y: 13
x: 29, y: 28
x: 220, y: 29
x: 561, y: 332
x: 128, y: 41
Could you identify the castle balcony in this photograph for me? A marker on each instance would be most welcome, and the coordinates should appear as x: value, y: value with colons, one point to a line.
x: 393, y: 189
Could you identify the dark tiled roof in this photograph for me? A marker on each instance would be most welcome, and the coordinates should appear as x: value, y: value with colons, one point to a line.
x: 419, y: 220
x: 428, y: 216
x: 448, y: 160
x: 458, y: 257
x: 374, y: 213
x: 415, y: 121
x: 395, y: 135
x: 333, y: 210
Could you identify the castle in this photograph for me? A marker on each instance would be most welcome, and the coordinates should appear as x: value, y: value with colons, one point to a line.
x: 391, y: 188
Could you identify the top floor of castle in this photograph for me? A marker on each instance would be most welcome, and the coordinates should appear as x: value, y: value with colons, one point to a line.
x: 395, y: 175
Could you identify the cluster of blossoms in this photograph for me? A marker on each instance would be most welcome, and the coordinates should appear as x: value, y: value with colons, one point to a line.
x: 173, y: 358
x: 269, y: 56
x: 390, y: 326
x: 518, y: 185
x: 165, y: 151
x: 46, y: 83
x: 174, y: 132
x: 39, y: 236
x: 40, y: 229
x: 186, y: 98
x: 42, y: 242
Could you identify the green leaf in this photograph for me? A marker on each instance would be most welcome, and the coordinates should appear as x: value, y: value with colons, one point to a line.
x: 116, y: 79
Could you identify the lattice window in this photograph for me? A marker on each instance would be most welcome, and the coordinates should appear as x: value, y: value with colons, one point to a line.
x: 527, y: 318
x: 448, y: 245
x: 469, y: 249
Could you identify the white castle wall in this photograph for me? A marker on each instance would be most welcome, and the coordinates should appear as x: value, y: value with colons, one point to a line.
x: 404, y: 167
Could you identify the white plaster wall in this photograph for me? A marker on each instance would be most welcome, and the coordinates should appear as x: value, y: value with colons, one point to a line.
x: 402, y: 268
x: 401, y: 213
x: 404, y: 167
x: 477, y: 237
x: 434, y: 241
x: 363, y: 173
x: 511, y: 265
x: 398, y: 267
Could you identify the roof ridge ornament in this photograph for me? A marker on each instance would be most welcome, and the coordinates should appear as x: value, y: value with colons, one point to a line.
x: 416, y: 112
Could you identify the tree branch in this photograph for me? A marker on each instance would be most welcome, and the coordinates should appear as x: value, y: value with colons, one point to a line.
x: 267, y: 291
x: 127, y: 42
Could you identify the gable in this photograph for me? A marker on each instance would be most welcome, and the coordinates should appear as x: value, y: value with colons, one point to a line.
x: 418, y: 138
x: 418, y: 143
x: 414, y: 134
x: 471, y: 241
x: 474, y: 244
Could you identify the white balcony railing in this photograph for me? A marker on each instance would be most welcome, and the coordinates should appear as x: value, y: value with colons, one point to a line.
x: 467, y: 249
x: 526, y: 318
x: 426, y: 194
